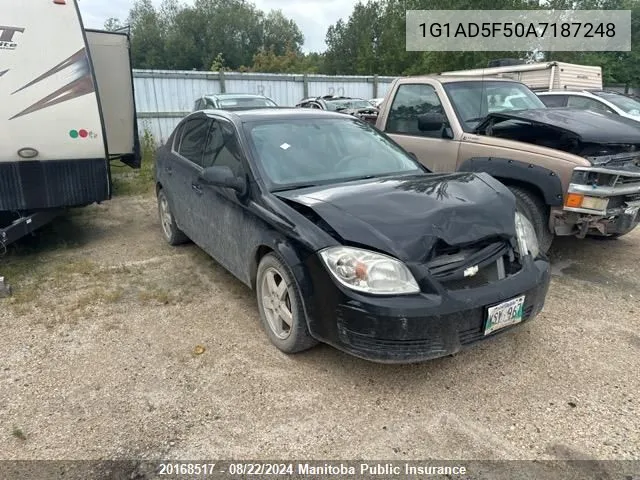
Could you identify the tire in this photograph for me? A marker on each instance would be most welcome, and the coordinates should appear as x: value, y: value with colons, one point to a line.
x: 611, y: 236
x: 276, y: 290
x: 532, y: 206
x: 172, y: 234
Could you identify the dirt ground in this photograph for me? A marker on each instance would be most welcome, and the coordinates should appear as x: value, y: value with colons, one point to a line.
x: 102, y: 358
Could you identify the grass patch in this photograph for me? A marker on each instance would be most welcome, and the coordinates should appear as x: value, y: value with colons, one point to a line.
x: 18, y: 433
x: 128, y: 181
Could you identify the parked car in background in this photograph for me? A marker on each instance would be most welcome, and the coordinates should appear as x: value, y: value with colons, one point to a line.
x: 573, y: 172
x: 357, y: 107
x: 345, y: 238
x: 596, y: 100
x: 232, y: 101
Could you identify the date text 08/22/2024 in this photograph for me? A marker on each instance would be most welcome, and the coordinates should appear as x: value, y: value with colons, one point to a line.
x: 204, y: 469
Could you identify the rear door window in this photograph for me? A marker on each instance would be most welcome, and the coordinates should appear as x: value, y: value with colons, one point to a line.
x: 194, y: 136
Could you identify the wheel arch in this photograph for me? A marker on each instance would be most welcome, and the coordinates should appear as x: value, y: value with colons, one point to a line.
x: 292, y: 258
x: 544, y: 182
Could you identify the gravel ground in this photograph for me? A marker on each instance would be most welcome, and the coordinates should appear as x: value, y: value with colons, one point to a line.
x: 102, y: 358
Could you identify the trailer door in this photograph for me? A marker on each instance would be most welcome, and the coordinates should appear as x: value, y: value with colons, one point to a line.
x: 110, y: 55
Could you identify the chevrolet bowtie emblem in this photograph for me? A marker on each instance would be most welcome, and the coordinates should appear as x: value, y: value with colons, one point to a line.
x: 471, y: 271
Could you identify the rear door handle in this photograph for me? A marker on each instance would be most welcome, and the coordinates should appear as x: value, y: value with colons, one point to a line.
x: 169, y: 170
x: 196, y: 188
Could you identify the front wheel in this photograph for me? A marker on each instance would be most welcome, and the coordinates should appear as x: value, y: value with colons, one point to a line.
x: 613, y: 236
x: 532, y: 207
x: 280, y: 306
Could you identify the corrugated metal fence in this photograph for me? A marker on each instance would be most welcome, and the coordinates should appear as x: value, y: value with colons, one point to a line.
x: 163, y: 97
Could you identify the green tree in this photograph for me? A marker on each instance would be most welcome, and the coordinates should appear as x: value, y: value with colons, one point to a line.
x: 281, y: 34
x: 268, y: 61
x: 147, y: 36
x: 112, y: 24
x: 179, y: 36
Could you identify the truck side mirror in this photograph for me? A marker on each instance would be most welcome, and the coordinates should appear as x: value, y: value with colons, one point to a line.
x: 428, y: 122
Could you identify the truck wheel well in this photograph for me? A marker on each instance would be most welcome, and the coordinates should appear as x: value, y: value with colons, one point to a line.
x: 542, y: 181
x: 510, y: 182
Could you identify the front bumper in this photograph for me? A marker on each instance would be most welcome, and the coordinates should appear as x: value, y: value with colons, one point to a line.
x: 413, y: 328
x: 618, y: 192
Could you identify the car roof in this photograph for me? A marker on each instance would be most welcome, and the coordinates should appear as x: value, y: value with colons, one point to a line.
x: 565, y: 92
x: 233, y: 95
x: 274, y: 113
x: 456, y: 78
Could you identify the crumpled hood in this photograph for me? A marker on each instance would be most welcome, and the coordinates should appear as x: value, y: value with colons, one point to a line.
x: 591, y: 127
x: 406, y: 216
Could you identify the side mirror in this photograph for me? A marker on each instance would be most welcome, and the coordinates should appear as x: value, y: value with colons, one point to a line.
x: 429, y: 122
x: 222, y: 176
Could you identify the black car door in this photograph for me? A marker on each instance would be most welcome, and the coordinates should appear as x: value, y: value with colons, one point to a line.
x: 222, y: 214
x: 184, y: 169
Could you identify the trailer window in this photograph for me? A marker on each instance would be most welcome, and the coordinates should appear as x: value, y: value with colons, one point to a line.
x: 193, y: 138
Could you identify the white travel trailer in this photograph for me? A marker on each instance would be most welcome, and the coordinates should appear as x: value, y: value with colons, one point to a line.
x: 66, y: 110
x: 543, y: 76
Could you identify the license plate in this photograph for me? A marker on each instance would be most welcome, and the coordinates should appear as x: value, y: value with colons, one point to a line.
x: 505, y: 314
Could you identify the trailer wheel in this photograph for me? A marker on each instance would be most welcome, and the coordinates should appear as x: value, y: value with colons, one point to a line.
x: 172, y: 234
x: 536, y: 211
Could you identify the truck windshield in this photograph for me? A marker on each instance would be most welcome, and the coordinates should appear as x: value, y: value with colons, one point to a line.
x: 295, y: 152
x: 474, y: 100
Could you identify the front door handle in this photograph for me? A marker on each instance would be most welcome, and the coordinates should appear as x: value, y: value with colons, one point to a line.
x: 196, y: 188
x: 169, y: 170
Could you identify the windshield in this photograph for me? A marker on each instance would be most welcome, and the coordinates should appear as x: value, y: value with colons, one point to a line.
x: 311, y: 151
x: 245, y: 102
x: 351, y: 103
x: 627, y: 104
x: 474, y: 100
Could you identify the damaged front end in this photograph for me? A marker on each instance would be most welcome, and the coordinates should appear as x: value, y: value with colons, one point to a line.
x: 604, y: 199
x: 369, y: 115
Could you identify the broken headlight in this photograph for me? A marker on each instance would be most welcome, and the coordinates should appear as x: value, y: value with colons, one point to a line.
x: 368, y: 271
x: 527, y: 238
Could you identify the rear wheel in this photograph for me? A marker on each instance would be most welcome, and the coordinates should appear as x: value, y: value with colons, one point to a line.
x: 280, y: 306
x: 172, y: 234
x: 532, y: 206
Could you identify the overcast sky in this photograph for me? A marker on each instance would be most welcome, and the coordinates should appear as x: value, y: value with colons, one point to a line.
x: 312, y: 16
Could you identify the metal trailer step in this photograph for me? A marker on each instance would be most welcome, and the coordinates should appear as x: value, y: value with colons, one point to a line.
x: 5, y: 289
x: 19, y: 228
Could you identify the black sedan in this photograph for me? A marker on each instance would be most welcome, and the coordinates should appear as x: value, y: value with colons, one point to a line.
x: 347, y: 239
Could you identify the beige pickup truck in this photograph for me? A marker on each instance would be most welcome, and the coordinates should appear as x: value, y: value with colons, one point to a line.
x: 573, y: 172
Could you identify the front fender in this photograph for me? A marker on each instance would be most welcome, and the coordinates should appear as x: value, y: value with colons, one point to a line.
x: 545, y: 180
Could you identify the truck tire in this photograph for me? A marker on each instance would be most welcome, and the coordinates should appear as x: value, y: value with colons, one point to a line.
x: 532, y: 206
x: 612, y: 236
